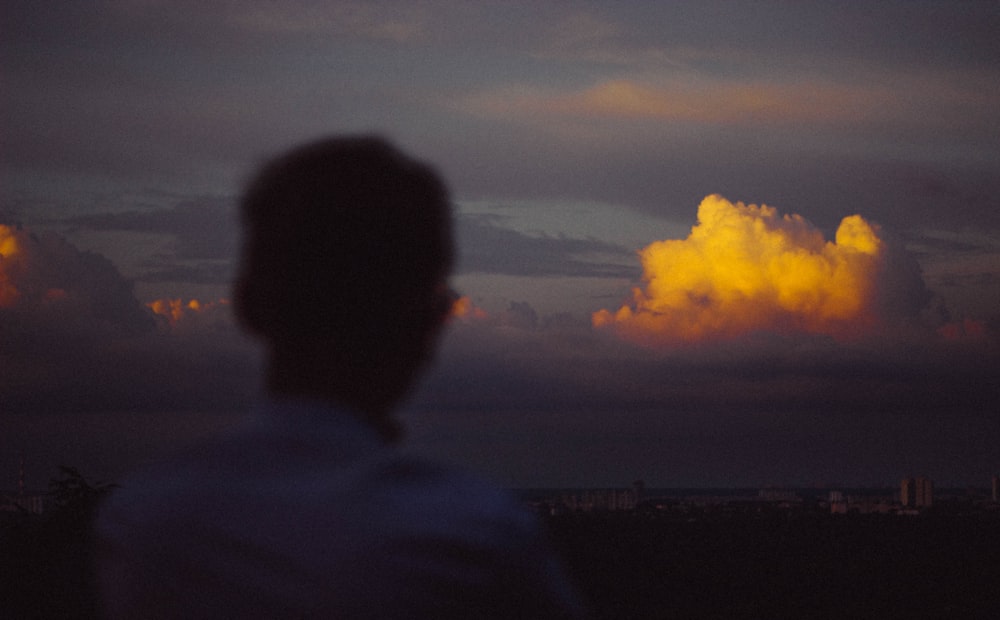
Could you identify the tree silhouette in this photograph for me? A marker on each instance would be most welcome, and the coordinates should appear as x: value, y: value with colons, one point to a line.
x: 73, y: 492
x: 48, y: 568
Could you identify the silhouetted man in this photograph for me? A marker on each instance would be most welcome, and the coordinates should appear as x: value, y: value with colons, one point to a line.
x: 309, y: 510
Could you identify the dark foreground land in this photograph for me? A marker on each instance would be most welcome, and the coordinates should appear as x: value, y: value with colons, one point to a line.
x: 647, y: 564
x: 635, y: 565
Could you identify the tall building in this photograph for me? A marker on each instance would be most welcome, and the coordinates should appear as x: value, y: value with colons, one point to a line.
x: 638, y: 490
x: 925, y: 492
x: 916, y: 492
x: 908, y: 492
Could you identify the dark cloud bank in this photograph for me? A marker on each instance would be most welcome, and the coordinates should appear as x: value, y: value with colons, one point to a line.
x: 533, y: 400
x: 485, y: 246
x: 75, y: 339
x: 570, y: 407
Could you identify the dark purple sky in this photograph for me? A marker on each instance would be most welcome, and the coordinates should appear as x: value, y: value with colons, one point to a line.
x: 573, y: 135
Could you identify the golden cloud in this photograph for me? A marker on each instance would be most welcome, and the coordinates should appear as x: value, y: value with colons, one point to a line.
x: 464, y: 309
x: 176, y: 311
x: 746, y: 269
x: 9, y: 253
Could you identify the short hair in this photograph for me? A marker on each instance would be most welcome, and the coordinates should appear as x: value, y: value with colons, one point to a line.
x: 344, y: 238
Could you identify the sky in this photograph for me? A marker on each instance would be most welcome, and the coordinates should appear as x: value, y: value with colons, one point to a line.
x: 700, y: 244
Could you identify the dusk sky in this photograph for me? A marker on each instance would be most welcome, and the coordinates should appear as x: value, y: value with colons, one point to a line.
x: 700, y: 243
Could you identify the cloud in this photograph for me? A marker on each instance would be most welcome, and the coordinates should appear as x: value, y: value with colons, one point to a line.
x: 9, y: 252
x: 746, y: 269
x: 177, y: 314
x: 74, y: 339
x: 968, y: 329
x: 203, y: 228
x: 485, y: 247
x: 694, y: 99
x: 44, y: 278
x: 551, y: 367
x: 543, y: 396
x: 964, y: 269
x: 464, y: 309
x: 546, y: 400
x: 201, y: 234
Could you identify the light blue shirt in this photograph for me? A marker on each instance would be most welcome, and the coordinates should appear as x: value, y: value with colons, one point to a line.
x: 305, y: 512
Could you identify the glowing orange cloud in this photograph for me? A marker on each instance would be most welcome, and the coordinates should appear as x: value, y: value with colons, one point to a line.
x: 746, y: 269
x: 176, y: 310
x: 968, y: 329
x: 9, y: 255
x: 689, y: 99
x: 17, y: 286
x: 723, y: 102
x: 463, y: 308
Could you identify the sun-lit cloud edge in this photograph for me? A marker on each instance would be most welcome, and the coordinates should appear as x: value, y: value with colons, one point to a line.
x: 746, y: 268
x: 175, y: 312
x: 916, y: 101
x: 694, y: 99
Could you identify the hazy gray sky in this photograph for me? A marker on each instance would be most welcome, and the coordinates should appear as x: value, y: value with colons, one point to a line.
x: 573, y: 136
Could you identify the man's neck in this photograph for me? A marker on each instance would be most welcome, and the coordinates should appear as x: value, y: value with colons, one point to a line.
x: 368, y: 391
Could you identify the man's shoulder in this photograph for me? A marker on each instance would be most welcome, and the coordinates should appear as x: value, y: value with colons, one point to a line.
x: 406, y: 476
x: 436, y: 537
x: 438, y: 495
x: 314, y: 479
x: 386, y: 503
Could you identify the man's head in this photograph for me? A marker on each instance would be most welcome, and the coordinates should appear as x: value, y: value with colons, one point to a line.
x: 347, y: 246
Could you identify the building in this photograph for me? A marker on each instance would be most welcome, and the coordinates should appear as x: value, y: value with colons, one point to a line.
x: 916, y: 492
x: 838, y: 503
x: 908, y: 492
x: 23, y: 502
x: 925, y: 493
